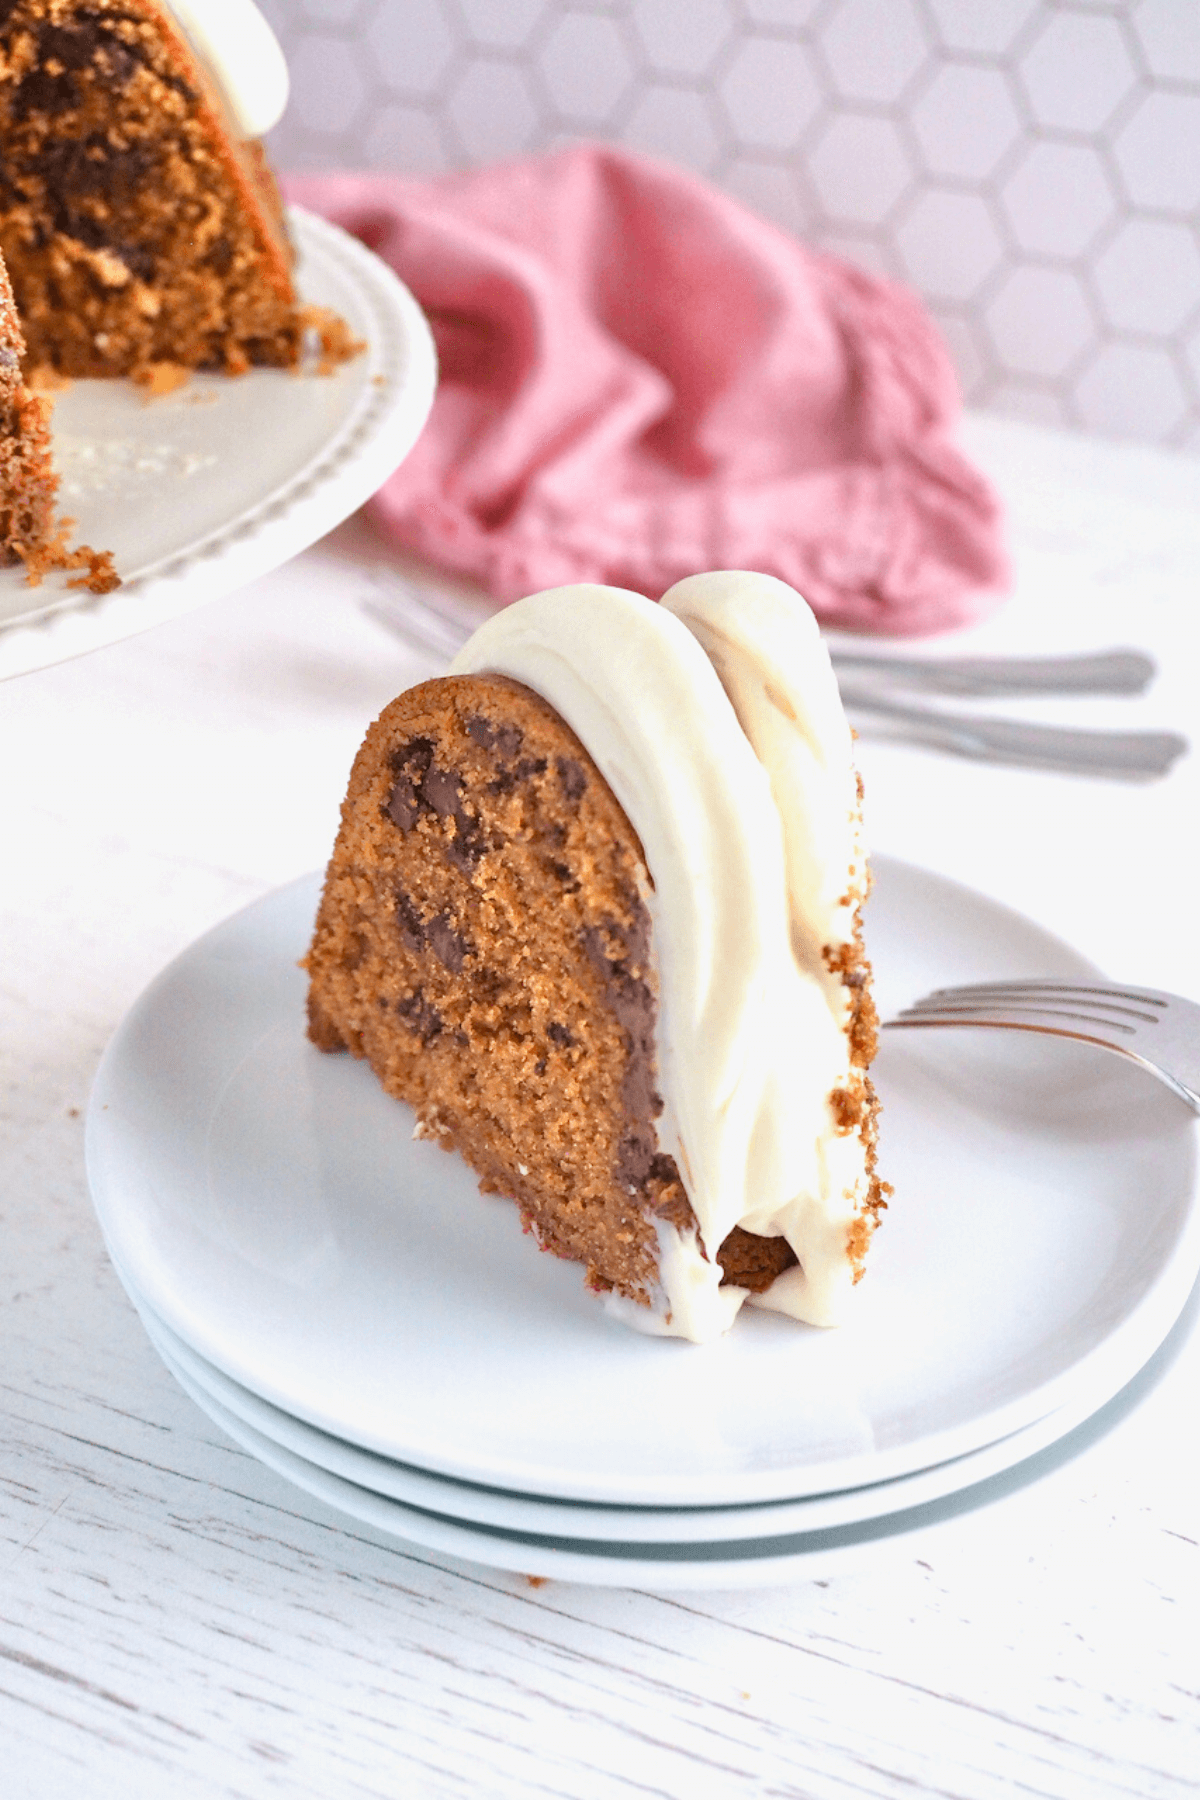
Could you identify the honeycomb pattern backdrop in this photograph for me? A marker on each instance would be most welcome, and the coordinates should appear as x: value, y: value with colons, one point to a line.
x: 1032, y: 167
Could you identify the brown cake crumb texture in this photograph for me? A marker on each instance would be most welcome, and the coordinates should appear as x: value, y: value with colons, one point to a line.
x: 483, y: 941
x: 856, y: 1107
x: 144, y: 236
x: 28, y: 529
x: 136, y: 226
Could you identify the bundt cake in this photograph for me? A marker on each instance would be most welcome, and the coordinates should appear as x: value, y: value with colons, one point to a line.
x: 141, y: 226
x: 594, y: 913
x: 28, y: 530
x: 142, y: 229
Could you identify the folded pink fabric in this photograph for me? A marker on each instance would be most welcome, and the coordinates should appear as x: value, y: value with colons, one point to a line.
x: 640, y: 379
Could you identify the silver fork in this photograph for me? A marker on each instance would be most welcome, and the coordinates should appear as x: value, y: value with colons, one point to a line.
x: 439, y: 626
x: 1159, y: 1031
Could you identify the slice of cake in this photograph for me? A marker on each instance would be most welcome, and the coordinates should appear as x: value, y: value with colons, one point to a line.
x: 27, y: 479
x: 29, y: 532
x: 593, y: 912
x: 141, y: 226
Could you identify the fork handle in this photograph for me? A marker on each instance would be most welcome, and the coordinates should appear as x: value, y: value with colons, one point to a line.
x: 1127, y: 755
x: 981, y: 677
x: 1118, y: 755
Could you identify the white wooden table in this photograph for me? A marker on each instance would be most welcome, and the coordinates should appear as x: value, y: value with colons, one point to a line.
x: 175, y: 1620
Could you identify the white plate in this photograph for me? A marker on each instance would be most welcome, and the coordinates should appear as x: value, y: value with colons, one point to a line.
x: 576, y: 1519
x: 762, y: 1561
x: 205, y: 489
x: 271, y: 1206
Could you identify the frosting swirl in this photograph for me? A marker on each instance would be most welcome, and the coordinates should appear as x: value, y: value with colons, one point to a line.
x: 714, y: 717
x: 242, y: 56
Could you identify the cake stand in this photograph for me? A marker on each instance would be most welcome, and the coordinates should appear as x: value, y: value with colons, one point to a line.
x: 203, y: 490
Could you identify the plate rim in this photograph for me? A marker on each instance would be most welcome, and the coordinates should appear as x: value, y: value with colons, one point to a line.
x: 521, y: 1554
x: 919, y: 1488
x: 534, y: 1556
x: 1109, y: 1364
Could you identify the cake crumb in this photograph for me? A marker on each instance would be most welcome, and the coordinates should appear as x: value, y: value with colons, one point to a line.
x: 335, y: 343
x: 54, y: 552
x: 161, y: 378
x: 44, y: 378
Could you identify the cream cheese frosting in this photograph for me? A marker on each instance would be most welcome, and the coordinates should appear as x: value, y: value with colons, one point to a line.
x: 242, y: 56
x: 715, y: 719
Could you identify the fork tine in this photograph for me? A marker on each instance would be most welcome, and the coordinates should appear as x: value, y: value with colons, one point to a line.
x: 1063, y: 1026
x: 1075, y: 989
x: 1063, y: 1002
x: 984, y: 1014
x: 1112, y: 1018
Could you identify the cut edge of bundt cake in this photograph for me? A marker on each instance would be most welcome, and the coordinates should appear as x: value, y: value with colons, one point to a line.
x: 483, y: 941
x: 29, y: 530
x: 143, y: 232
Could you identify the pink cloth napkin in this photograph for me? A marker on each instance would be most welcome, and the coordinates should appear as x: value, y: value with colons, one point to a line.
x: 640, y: 379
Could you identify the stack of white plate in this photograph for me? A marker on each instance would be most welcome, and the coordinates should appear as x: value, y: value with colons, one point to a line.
x: 344, y: 1304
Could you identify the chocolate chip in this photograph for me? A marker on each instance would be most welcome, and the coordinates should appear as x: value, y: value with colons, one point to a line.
x: 449, y: 948
x: 422, y: 788
x: 615, y: 952
x: 501, y: 740
x: 409, y: 765
x: 74, y: 167
x: 220, y: 257
x: 468, y: 845
x: 436, y: 934
x: 87, y: 230
x: 412, y: 926
x: 43, y: 90
x: 87, y: 42
x: 635, y: 1155
x: 74, y: 47
x: 119, y: 62
x: 420, y: 1016
x: 624, y: 992
x: 509, y: 779
x: 572, y: 776
x: 44, y: 93
x: 559, y: 1034
x: 488, y: 984
x: 442, y: 790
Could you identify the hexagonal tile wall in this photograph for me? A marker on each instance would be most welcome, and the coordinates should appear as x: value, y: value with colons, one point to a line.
x: 1057, y: 199
x: 1032, y: 167
x: 949, y: 243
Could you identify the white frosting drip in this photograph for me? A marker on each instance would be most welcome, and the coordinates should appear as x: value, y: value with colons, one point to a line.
x: 751, y: 1036
x: 242, y: 56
